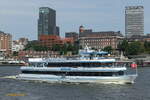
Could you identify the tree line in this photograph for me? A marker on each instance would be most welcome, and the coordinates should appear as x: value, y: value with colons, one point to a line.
x: 61, y: 48
x: 134, y: 48
x: 128, y: 48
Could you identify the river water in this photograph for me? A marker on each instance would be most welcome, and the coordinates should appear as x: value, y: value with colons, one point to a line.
x: 11, y: 89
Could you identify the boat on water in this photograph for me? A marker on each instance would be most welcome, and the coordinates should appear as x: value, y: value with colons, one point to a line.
x: 90, y: 67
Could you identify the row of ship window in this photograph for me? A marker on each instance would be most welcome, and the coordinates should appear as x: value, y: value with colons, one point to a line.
x: 76, y: 73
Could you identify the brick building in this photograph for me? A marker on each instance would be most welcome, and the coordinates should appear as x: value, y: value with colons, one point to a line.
x: 5, y: 42
x: 50, y: 40
x: 99, y: 40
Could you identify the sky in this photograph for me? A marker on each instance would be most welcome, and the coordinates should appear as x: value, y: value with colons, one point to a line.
x: 19, y: 17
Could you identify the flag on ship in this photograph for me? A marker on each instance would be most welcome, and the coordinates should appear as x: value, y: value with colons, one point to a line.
x: 133, y: 65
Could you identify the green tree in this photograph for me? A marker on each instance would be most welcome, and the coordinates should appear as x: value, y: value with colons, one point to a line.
x: 67, y: 47
x: 15, y: 53
x: 70, y: 47
x: 135, y: 48
x: 56, y: 47
x: 123, y: 46
x: 40, y: 48
x: 108, y: 49
x: 147, y: 47
x: 64, y: 49
x: 76, y: 48
x: 33, y: 46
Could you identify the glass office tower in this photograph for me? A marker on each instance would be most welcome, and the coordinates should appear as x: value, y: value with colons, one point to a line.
x: 47, y: 21
x: 134, y: 21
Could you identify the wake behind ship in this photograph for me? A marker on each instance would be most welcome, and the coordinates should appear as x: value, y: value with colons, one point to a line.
x: 90, y: 67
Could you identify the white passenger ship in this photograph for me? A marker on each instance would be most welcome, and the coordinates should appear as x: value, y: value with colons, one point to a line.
x: 90, y: 67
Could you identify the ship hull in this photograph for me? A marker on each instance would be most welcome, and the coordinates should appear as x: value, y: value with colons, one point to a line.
x: 79, y: 79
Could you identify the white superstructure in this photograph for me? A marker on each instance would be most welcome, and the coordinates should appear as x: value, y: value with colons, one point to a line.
x: 89, y: 68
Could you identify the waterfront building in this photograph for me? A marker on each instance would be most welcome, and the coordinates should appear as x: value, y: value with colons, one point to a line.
x: 19, y: 44
x: 99, y: 40
x: 67, y: 40
x: 17, y: 47
x: 134, y: 20
x: 136, y: 38
x: 47, y: 21
x: 73, y: 35
x: 139, y: 38
x: 50, y: 40
x: 5, y: 42
x: 83, y: 31
x: 23, y: 41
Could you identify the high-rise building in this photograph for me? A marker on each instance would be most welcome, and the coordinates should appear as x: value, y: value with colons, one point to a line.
x: 5, y: 42
x: 47, y: 21
x: 134, y: 20
x: 57, y: 30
